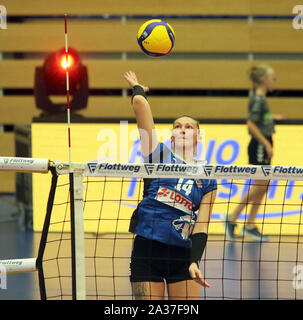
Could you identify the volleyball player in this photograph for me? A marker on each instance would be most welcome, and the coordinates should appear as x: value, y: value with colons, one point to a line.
x: 171, y: 221
x: 260, y: 124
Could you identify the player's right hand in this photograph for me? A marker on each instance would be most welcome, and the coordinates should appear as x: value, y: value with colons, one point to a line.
x: 132, y: 80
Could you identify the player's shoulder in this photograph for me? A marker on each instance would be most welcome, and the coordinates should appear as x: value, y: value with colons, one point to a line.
x: 209, y: 184
x: 256, y: 98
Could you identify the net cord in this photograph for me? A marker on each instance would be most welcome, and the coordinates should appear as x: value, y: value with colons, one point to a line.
x: 77, y: 235
x: 44, y: 234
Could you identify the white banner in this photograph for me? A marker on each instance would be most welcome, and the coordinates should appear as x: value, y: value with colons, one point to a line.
x: 23, y: 164
x: 195, y: 171
x: 18, y: 265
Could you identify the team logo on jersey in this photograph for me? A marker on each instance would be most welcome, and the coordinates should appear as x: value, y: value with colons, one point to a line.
x: 185, y: 224
x: 199, y: 183
x: 174, y: 199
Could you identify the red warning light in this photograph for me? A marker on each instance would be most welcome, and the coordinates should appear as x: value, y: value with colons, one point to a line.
x: 50, y: 79
x: 70, y: 62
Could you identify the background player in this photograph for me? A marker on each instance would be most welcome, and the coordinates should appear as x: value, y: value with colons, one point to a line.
x: 260, y: 124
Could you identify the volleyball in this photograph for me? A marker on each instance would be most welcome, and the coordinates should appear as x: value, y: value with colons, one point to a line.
x: 156, y: 38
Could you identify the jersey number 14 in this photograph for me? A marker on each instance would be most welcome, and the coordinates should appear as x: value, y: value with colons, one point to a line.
x: 185, y: 186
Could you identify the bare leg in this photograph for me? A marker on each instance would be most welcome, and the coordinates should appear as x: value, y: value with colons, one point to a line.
x: 184, y: 290
x: 261, y: 189
x: 254, y: 197
x: 148, y: 290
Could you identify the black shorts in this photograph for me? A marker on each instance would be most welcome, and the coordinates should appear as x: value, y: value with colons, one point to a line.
x: 257, y: 153
x: 153, y: 261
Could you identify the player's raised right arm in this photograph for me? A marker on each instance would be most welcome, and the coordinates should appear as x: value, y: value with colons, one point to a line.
x: 144, y: 117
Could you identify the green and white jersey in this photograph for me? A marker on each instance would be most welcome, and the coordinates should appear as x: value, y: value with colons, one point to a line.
x: 258, y: 112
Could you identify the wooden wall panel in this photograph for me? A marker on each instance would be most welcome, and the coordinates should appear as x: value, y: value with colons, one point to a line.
x: 114, y: 36
x: 7, y: 149
x: 130, y: 7
x: 275, y: 36
x: 191, y: 36
x: 161, y: 74
x: 163, y: 7
x: 21, y: 110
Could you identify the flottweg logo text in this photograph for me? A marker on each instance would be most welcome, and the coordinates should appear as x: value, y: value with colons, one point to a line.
x: 287, y: 170
x: 235, y: 169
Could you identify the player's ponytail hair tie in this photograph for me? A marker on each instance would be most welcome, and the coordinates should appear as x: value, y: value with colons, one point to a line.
x: 138, y: 91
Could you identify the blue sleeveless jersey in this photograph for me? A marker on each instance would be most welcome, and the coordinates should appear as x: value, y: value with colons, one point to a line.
x: 170, y: 206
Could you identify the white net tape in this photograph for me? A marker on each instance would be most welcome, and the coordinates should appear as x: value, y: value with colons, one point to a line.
x: 155, y: 170
x: 196, y: 171
x: 23, y: 164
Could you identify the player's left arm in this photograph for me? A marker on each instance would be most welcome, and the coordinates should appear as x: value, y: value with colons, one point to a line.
x: 199, y: 236
x: 205, y: 211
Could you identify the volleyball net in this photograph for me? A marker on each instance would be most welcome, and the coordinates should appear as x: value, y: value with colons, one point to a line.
x: 85, y: 246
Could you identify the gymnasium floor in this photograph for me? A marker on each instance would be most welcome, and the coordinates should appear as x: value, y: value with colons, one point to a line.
x: 235, y: 270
